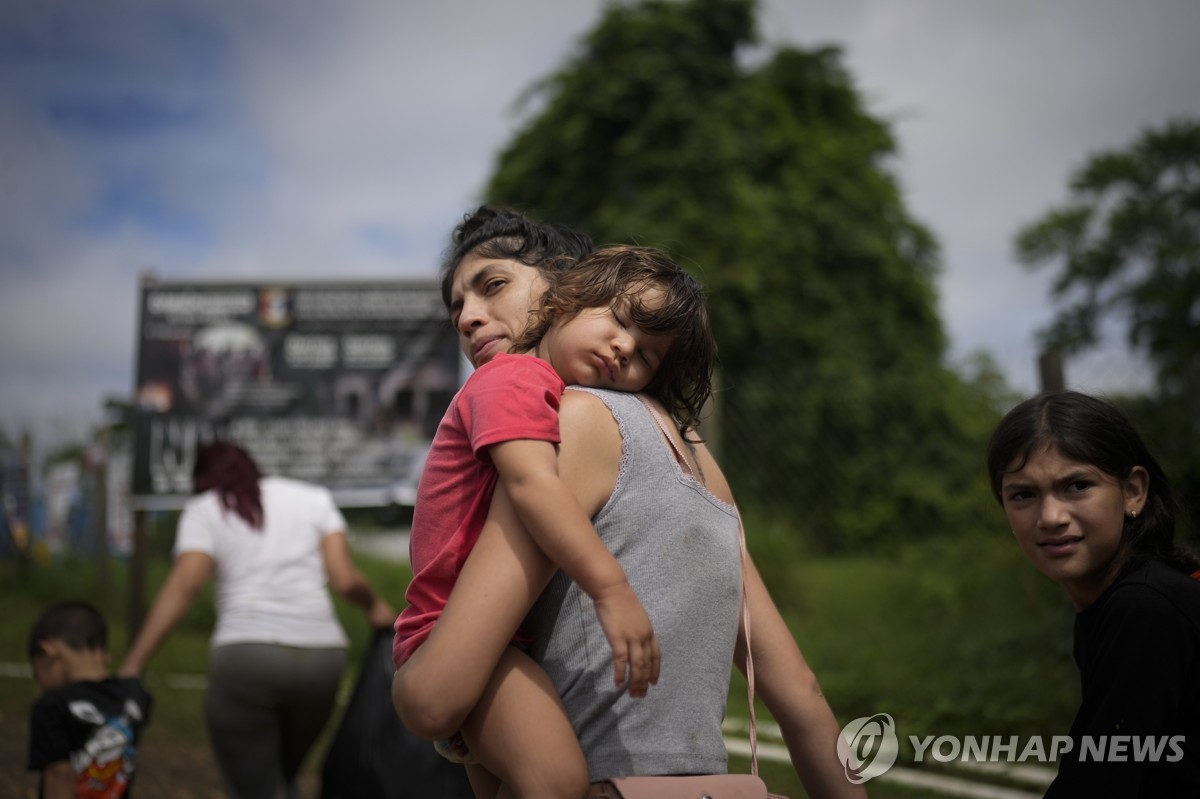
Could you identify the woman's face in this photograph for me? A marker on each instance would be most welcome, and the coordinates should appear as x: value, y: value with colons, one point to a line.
x: 491, y: 300
x: 1068, y: 518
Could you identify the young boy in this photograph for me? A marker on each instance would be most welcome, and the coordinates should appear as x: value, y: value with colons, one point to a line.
x: 84, y: 728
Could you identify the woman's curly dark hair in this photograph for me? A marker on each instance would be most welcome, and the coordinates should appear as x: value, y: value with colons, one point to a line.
x: 505, y: 233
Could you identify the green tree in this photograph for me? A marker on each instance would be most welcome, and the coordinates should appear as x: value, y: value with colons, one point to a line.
x: 764, y: 174
x: 1127, y: 247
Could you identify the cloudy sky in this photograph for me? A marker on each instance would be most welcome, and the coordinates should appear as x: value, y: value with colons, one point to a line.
x: 204, y: 139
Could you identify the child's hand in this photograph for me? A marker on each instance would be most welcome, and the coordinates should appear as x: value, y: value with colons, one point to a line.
x: 631, y: 636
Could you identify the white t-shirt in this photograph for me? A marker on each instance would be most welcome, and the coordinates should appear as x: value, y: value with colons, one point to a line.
x: 271, y: 583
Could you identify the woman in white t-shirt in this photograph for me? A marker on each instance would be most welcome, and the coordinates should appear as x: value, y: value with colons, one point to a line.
x: 272, y: 544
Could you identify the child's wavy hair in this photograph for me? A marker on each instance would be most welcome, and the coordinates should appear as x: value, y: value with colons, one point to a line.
x: 683, y: 382
x: 230, y: 471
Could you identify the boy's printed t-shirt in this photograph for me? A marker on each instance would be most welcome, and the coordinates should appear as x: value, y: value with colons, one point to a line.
x: 94, y: 726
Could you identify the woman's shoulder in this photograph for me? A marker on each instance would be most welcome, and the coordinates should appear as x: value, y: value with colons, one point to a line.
x: 589, y: 457
x: 291, y: 488
x: 205, y: 501
x: 585, y: 410
x: 602, y: 411
x: 597, y: 399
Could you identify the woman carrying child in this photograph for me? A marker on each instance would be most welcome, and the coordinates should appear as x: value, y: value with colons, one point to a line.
x: 493, y: 282
x: 624, y: 318
x: 1092, y: 510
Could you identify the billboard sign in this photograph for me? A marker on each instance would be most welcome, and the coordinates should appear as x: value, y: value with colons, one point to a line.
x: 337, y: 383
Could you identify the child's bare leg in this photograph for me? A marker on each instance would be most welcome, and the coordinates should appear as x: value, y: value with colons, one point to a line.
x: 505, y: 573
x: 484, y: 783
x: 520, y: 732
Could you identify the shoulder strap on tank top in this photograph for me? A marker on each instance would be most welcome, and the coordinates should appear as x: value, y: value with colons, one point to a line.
x: 662, y: 425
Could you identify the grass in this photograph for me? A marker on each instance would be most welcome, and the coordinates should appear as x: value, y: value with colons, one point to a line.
x: 949, y: 637
x: 26, y: 588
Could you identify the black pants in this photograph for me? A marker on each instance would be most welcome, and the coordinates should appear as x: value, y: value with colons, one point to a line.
x: 265, y: 707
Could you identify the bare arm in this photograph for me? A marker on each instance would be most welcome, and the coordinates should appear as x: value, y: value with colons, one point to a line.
x: 349, y: 582
x: 190, y: 572
x: 560, y: 527
x: 502, y: 577
x: 790, y: 690
x: 783, y: 678
x: 435, y: 689
x: 58, y: 781
x: 529, y: 471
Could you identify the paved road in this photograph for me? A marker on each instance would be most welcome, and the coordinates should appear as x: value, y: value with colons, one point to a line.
x: 391, y: 545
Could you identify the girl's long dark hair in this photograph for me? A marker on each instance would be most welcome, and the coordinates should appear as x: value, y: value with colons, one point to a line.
x: 1091, y: 430
x: 230, y: 471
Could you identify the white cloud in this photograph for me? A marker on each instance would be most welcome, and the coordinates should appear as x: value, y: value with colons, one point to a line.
x: 347, y: 139
x: 995, y: 105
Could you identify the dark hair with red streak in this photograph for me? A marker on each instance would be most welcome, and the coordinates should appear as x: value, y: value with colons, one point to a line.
x: 230, y: 471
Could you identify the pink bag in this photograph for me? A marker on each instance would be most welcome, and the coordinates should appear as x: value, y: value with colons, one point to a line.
x: 703, y: 786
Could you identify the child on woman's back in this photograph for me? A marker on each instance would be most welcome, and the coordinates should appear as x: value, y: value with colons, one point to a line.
x: 623, y: 318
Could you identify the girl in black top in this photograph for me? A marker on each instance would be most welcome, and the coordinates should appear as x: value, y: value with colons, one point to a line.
x: 1092, y: 510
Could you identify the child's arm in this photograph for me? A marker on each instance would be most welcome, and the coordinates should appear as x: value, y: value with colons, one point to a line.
x: 556, y: 522
x: 58, y: 781
x: 435, y: 689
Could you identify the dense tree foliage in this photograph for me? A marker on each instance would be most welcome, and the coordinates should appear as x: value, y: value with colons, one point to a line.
x: 1126, y: 247
x: 763, y: 172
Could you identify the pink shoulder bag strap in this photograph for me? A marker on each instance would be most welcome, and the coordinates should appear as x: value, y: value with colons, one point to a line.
x: 714, y: 786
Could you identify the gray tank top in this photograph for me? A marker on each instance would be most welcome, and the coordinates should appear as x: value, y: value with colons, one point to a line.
x: 679, y: 547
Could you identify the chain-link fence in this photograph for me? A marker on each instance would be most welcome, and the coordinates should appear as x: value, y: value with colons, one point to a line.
x: 846, y: 473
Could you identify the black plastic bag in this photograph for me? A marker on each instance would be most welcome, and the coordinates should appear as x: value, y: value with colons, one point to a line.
x: 373, y: 755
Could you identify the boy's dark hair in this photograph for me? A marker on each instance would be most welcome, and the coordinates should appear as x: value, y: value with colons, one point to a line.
x: 76, y: 623
x: 496, y: 232
x: 683, y: 382
x: 1091, y: 430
